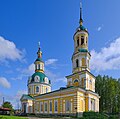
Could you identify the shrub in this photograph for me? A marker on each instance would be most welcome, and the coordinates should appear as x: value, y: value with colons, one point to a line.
x: 94, y: 115
x: 114, y: 117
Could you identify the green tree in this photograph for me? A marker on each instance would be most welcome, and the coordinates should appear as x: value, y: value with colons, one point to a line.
x: 109, y: 90
x: 7, y: 105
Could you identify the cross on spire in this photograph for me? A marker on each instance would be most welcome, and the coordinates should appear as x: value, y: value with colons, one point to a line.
x: 39, y: 45
x: 39, y: 53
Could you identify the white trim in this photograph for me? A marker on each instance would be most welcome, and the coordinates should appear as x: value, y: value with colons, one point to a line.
x: 55, y: 97
x: 60, y: 91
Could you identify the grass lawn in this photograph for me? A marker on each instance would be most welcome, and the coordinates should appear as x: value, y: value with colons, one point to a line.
x: 11, y: 117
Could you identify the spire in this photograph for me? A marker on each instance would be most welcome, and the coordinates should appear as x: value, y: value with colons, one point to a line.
x: 39, y: 53
x: 81, y: 20
x: 39, y: 45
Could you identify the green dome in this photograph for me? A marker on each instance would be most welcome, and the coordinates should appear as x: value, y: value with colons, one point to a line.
x: 39, y: 59
x: 82, y: 50
x: 81, y: 27
x: 41, y: 77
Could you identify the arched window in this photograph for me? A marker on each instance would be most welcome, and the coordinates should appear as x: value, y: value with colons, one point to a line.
x: 37, y: 89
x: 75, y: 80
x: 82, y: 40
x: 76, y: 83
x: 90, y: 81
x: 77, y: 63
x: 39, y: 66
x: 78, y: 42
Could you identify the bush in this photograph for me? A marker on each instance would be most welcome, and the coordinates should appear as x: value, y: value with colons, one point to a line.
x: 113, y: 117
x: 93, y: 115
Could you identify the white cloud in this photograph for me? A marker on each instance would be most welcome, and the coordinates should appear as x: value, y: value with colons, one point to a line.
x: 29, y: 70
x: 4, y: 82
x: 54, y: 77
x: 63, y: 79
x: 108, y: 58
x: 19, y: 94
x: 50, y: 61
x: 100, y: 28
x: 9, y: 51
x: 24, y: 73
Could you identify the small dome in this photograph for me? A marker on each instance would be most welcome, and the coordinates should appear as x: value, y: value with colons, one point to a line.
x: 81, y: 27
x: 39, y: 77
x: 39, y: 59
x: 82, y: 50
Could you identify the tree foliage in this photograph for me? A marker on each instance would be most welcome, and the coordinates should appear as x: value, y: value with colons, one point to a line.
x: 109, y: 90
x: 7, y: 105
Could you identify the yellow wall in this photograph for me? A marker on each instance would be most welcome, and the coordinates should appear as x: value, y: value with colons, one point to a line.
x: 78, y: 99
x: 61, y: 104
x: 83, y: 62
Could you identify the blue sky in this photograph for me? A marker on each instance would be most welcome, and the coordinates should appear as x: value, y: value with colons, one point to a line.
x: 24, y: 23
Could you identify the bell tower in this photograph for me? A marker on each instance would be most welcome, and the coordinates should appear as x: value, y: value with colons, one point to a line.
x: 81, y: 55
x: 81, y: 76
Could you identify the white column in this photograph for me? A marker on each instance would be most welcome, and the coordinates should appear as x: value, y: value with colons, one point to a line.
x: 26, y: 107
x: 89, y: 106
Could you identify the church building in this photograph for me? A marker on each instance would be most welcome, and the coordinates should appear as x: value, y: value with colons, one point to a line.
x: 78, y: 96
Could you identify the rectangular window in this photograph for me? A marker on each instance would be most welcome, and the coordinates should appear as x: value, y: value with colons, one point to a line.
x: 50, y: 106
x: 68, y: 105
x: 56, y: 106
x: 41, y: 107
x: 45, y: 107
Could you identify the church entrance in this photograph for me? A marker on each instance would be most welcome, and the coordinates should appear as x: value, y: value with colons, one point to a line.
x: 24, y: 107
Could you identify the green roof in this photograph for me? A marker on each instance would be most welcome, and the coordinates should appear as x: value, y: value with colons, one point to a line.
x: 61, y: 89
x: 39, y: 59
x: 40, y: 74
x: 25, y: 96
x: 82, y: 50
x: 82, y: 27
